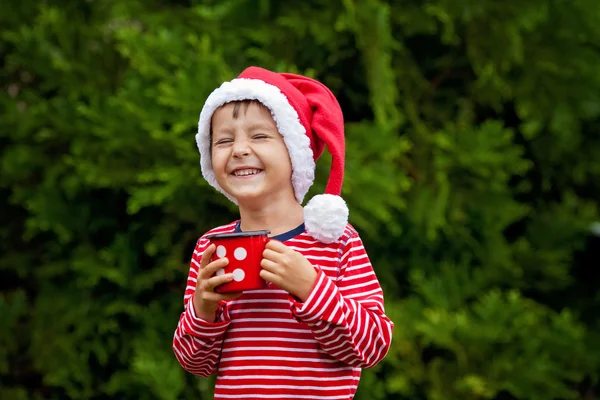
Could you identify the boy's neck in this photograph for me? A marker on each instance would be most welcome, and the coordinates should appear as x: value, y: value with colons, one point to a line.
x: 276, y: 217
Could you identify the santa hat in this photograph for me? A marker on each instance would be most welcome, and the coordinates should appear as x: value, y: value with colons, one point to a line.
x: 309, y: 118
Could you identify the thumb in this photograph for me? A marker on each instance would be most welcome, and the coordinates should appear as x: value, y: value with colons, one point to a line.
x: 206, y: 256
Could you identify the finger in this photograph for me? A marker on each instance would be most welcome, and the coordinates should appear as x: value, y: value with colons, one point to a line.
x: 269, y: 265
x: 271, y: 255
x: 207, y: 255
x: 276, y: 246
x: 269, y: 276
x: 215, y: 281
x: 213, y: 267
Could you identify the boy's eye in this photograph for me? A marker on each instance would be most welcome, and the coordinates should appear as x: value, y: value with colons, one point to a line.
x: 223, y: 141
x: 260, y: 136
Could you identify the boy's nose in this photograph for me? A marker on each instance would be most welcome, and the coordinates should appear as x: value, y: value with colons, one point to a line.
x: 241, y: 149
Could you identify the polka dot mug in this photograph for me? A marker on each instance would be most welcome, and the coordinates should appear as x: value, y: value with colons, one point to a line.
x: 244, y: 252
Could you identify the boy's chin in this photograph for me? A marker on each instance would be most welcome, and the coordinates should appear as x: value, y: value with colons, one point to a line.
x: 248, y: 196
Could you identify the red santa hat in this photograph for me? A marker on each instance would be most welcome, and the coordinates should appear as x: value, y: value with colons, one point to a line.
x: 309, y: 118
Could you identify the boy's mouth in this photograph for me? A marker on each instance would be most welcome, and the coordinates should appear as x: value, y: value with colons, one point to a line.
x: 246, y: 172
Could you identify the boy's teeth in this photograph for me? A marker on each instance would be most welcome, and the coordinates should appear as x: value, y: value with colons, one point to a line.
x: 245, y: 172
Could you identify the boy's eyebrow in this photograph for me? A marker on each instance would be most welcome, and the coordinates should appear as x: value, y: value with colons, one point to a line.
x: 222, y: 131
x: 263, y: 125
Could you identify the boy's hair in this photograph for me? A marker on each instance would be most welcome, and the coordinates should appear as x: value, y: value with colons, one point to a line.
x: 237, y: 106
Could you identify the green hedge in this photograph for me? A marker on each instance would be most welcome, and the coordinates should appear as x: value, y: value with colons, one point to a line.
x: 473, y: 175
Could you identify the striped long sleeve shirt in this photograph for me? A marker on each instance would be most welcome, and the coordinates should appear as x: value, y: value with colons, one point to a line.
x: 267, y: 345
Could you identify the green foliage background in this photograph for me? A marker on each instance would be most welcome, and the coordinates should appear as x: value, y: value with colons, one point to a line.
x: 473, y: 175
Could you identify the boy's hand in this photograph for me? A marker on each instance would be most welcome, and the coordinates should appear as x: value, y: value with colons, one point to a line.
x: 206, y: 300
x: 288, y: 269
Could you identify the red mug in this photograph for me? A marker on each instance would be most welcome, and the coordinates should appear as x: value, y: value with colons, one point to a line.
x: 244, y: 250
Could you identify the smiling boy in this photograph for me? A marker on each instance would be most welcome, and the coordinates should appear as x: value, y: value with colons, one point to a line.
x: 321, y: 319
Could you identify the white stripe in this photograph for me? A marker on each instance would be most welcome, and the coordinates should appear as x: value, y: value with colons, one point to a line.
x: 265, y: 300
x: 335, y: 308
x: 351, y: 310
x: 343, y: 338
x: 270, y: 291
x: 370, y: 345
x: 327, y: 303
x: 349, y: 355
x: 330, y: 348
x: 320, y: 258
x: 178, y: 352
x: 199, y: 324
x: 279, y: 320
x: 319, y: 284
x: 285, y: 368
x: 358, y: 330
x: 200, y: 358
x: 267, y: 330
x: 359, y: 266
x: 379, y: 342
x: 312, y: 250
x: 325, y: 268
x: 270, y: 339
x: 193, y: 359
x: 288, y: 349
x: 361, y: 294
x: 198, y: 341
x: 360, y: 285
x: 373, y: 302
x: 355, y: 239
x: 294, y: 240
x: 327, y: 327
x: 278, y: 396
x: 295, y: 243
x: 262, y: 310
x: 188, y: 347
x: 271, y: 358
x: 291, y: 377
x: 358, y: 276
x: 358, y: 257
x: 285, y: 387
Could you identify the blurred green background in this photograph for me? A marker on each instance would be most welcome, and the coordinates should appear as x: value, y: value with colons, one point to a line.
x: 473, y: 175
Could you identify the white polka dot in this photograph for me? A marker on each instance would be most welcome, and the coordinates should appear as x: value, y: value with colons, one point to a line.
x: 238, y: 275
x: 240, y: 253
x: 221, y: 251
x: 220, y: 272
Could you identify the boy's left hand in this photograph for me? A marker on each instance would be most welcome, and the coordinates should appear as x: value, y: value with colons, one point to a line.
x: 288, y: 269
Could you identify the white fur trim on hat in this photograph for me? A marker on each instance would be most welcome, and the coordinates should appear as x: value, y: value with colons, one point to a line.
x: 325, y: 217
x: 284, y: 115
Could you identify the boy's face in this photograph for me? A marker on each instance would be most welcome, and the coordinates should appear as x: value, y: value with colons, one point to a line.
x: 249, y: 157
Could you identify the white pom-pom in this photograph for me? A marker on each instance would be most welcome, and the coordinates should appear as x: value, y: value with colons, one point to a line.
x: 325, y: 217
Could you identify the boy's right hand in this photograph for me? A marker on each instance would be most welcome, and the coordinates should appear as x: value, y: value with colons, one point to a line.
x: 206, y: 300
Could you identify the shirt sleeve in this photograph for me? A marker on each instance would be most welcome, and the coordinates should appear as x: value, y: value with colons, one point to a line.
x: 197, y: 343
x: 347, y: 316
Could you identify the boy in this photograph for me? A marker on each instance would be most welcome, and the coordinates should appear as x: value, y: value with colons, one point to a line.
x: 321, y: 318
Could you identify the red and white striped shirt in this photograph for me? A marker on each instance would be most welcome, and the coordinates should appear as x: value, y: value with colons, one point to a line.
x: 267, y: 345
